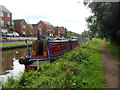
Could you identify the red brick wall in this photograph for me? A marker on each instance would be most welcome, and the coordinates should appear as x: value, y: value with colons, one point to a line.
x: 34, y: 31
x: 43, y: 27
x: 62, y: 30
x: 19, y: 28
x: 6, y: 19
x: 46, y: 27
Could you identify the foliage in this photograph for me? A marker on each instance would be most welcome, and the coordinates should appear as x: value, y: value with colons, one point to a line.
x: 50, y: 33
x: 70, y: 34
x: 11, y: 27
x: 106, y: 20
x: 88, y: 33
x: 28, y: 30
x: 0, y: 23
x: 80, y: 68
x: 114, y: 49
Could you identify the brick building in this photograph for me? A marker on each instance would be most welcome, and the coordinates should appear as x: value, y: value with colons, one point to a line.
x: 47, y: 28
x: 59, y: 31
x: 5, y: 19
x: 20, y: 25
x: 35, y: 29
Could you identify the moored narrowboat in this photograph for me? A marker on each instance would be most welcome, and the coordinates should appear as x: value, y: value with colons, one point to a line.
x: 45, y: 51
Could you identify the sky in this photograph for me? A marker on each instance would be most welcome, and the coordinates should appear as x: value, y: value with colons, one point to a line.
x: 70, y: 14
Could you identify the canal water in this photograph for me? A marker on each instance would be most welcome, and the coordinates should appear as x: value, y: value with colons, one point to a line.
x: 9, y: 64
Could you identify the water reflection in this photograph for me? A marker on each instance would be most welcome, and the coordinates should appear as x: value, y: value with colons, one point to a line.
x: 15, y: 72
x: 8, y: 56
x: 10, y: 65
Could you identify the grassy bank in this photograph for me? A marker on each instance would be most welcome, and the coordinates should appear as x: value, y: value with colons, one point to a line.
x: 114, y: 49
x: 80, y: 68
x: 14, y: 44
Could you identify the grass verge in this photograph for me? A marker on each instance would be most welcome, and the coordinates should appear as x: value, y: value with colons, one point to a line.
x: 80, y: 68
x: 14, y: 44
x: 114, y: 49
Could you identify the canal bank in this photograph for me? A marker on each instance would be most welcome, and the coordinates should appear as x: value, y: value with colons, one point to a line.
x: 13, y: 45
x: 9, y: 39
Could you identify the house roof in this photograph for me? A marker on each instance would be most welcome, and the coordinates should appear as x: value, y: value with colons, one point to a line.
x: 4, y: 9
x: 57, y: 27
x: 18, y: 21
x: 47, y: 23
x: 35, y: 25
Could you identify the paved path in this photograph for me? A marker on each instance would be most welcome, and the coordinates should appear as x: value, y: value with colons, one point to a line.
x: 111, y: 68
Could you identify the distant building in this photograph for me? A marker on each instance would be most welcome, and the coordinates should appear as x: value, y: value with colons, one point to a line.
x: 47, y: 28
x: 20, y: 25
x: 5, y: 19
x: 59, y: 31
x: 36, y: 28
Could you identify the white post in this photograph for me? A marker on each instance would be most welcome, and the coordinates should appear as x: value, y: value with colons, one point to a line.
x: 37, y: 64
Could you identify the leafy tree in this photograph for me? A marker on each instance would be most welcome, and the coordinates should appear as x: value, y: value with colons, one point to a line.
x: 0, y: 23
x: 106, y: 20
x: 65, y: 32
x: 28, y: 30
x: 11, y: 27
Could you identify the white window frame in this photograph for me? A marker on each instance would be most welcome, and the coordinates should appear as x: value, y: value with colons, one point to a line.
x: 23, y: 26
x: 8, y: 14
x: 2, y: 22
x: 24, y: 32
x: 8, y: 22
x: 40, y: 29
x: 1, y: 14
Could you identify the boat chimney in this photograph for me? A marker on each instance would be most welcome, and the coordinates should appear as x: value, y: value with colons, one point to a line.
x: 38, y: 35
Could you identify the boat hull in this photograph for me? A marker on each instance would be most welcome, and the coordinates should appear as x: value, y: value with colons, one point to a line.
x: 35, y: 65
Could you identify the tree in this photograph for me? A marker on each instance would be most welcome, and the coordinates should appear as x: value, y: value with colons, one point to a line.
x: 106, y: 20
x: 11, y: 27
x: 28, y: 30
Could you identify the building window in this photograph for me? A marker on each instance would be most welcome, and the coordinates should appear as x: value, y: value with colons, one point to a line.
x: 39, y: 29
x: 23, y: 26
x: 23, y: 32
x: 8, y: 22
x: 2, y: 22
x: 1, y: 14
x: 8, y: 14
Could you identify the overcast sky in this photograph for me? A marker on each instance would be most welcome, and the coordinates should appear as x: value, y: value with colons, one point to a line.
x: 68, y: 13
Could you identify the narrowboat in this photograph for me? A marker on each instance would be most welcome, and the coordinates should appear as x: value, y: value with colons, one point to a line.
x: 45, y: 51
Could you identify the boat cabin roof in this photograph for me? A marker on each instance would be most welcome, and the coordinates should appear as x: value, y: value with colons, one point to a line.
x: 56, y: 41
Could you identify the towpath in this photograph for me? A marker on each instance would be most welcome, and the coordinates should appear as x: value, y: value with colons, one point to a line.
x: 112, y: 68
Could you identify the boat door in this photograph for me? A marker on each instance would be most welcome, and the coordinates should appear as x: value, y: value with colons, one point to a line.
x: 40, y: 48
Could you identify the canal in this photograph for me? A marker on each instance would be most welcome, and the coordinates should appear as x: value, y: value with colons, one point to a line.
x: 9, y: 56
x: 9, y: 65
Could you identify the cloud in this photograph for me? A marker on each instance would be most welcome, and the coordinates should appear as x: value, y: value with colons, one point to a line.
x: 72, y: 21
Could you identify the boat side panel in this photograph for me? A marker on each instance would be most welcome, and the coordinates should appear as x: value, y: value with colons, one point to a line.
x: 58, y: 49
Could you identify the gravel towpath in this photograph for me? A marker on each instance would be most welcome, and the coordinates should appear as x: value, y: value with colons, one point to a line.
x: 112, y: 73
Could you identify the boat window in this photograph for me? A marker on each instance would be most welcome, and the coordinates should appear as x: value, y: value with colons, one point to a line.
x: 40, y: 49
